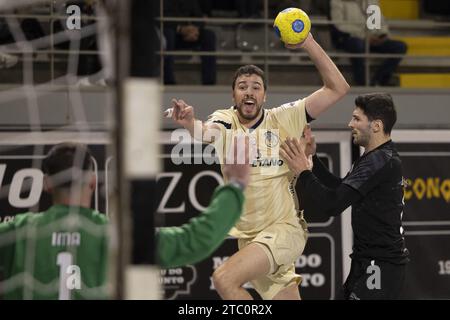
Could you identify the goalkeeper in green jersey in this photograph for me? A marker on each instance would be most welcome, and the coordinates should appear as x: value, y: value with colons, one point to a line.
x: 40, y: 252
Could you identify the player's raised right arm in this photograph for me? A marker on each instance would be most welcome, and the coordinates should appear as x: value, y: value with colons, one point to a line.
x: 334, y: 84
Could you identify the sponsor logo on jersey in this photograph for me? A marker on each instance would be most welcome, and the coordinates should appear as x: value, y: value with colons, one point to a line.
x: 267, y: 162
x: 271, y: 139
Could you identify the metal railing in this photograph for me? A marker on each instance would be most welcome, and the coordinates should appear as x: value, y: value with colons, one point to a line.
x: 266, y: 54
x: 47, y: 44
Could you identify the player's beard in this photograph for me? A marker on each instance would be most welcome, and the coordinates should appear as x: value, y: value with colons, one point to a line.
x: 248, y: 116
x: 361, y: 137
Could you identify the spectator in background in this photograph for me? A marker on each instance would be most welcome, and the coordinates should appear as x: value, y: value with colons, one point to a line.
x: 89, y: 67
x: 351, y: 38
x: 185, y: 36
x: 88, y: 64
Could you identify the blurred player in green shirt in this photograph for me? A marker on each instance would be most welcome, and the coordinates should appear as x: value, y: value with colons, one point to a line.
x: 62, y: 253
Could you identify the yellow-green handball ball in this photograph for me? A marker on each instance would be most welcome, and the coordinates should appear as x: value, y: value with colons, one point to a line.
x: 292, y: 25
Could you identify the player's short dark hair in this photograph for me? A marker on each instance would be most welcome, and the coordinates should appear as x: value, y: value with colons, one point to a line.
x: 249, y: 70
x: 64, y: 157
x: 378, y: 106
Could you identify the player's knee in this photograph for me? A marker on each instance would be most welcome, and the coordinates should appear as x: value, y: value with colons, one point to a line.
x: 218, y: 279
x: 221, y: 279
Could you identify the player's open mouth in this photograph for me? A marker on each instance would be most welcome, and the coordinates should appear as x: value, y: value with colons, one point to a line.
x: 249, y: 106
x: 249, y: 102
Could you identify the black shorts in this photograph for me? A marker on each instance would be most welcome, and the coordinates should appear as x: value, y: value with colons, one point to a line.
x: 374, y: 279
